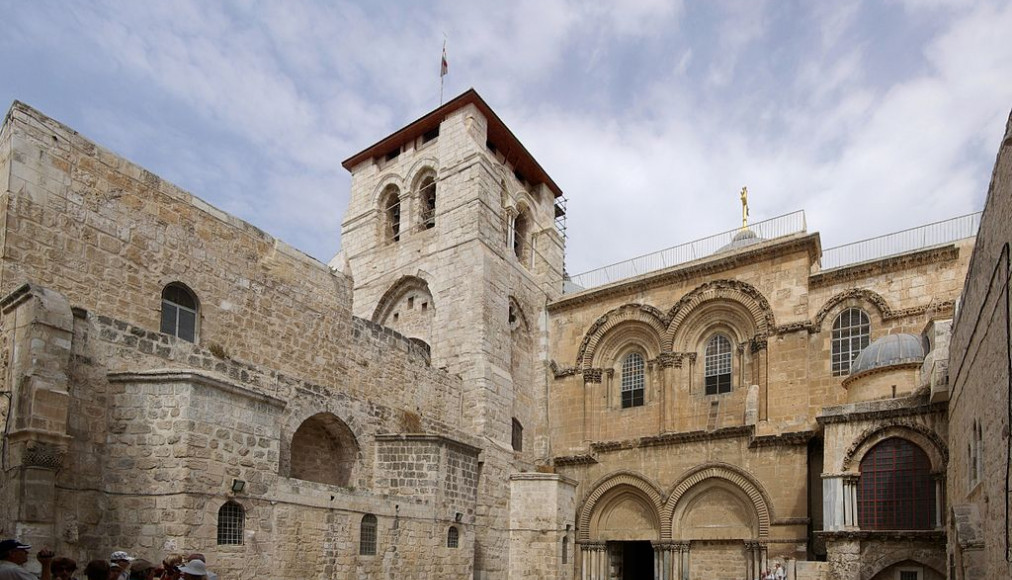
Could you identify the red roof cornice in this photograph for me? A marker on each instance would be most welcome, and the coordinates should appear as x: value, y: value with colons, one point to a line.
x: 498, y: 134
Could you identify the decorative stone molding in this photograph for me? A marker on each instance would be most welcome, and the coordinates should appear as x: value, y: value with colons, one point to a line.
x: 734, y: 291
x: 562, y: 372
x: 642, y: 313
x: 623, y: 478
x: 733, y: 475
x: 801, y: 326
x: 883, y: 266
x: 924, y: 437
x: 394, y: 294
x: 707, y: 267
x: 592, y: 375
x: 879, y: 303
x: 568, y: 460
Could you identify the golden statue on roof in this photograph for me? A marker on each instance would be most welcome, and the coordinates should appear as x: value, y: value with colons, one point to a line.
x: 744, y: 208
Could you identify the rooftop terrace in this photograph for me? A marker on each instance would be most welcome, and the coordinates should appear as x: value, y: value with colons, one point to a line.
x: 919, y: 238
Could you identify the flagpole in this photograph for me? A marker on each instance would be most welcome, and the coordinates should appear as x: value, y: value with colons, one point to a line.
x: 442, y: 71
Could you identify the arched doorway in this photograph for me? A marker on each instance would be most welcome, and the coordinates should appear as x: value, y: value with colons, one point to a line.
x: 621, y: 531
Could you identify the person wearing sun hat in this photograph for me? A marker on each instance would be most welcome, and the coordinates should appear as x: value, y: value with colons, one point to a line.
x: 194, y: 570
x: 122, y: 559
x: 14, y: 554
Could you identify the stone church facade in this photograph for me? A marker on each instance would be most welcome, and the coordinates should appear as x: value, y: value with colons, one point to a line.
x: 442, y: 401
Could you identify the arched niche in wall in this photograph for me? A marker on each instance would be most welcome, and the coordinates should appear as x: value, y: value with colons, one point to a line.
x: 324, y: 450
x: 408, y: 307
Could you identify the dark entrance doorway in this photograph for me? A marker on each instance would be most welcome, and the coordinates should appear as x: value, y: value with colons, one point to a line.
x: 635, y: 560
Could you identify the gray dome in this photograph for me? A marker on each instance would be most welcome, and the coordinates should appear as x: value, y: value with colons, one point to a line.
x: 745, y: 237
x: 889, y: 350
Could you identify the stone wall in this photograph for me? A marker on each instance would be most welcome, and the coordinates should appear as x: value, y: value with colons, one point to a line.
x: 157, y: 428
x: 980, y: 493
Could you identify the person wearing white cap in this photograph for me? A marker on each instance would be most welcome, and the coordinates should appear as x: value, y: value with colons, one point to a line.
x: 194, y: 570
x: 122, y: 559
x: 14, y: 554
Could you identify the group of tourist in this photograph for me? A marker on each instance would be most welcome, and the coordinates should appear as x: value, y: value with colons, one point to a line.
x: 119, y: 566
x: 777, y: 573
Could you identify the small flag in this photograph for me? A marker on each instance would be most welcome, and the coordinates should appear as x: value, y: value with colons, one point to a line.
x: 443, y: 67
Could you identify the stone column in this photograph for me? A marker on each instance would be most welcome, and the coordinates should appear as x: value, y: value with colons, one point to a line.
x: 593, y: 561
x: 41, y: 324
x: 683, y: 560
x: 850, y: 501
x: 663, y: 560
x: 939, y: 501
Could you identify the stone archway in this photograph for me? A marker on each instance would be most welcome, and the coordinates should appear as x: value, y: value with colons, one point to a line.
x: 718, y: 516
x: 620, y: 530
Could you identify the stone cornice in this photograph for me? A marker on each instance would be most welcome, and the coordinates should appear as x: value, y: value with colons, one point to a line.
x: 574, y: 460
x: 425, y: 438
x: 913, y: 365
x: 789, y: 439
x: 879, y: 410
x: 928, y: 536
x: 704, y: 267
x: 883, y: 266
x: 195, y: 377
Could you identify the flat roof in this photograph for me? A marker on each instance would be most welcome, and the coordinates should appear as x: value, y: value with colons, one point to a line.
x: 499, y: 135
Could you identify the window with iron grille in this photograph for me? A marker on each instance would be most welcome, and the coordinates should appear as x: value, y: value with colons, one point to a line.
x: 633, y: 380
x: 717, y: 365
x: 367, y: 536
x: 910, y: 575
x: 517, y: 435
x: 392, y: 212
x: 231, y: 519
x: 452, y: 537
x: 179, y: 312
x: 851, y: 333
x: 896, y: 490
x: 427, y: 193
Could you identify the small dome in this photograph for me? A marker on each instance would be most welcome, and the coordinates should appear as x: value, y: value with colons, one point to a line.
x: 893, y: 349
x: 745, y: 237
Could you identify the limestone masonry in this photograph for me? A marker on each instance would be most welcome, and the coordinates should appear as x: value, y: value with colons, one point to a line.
x: 443, y: 401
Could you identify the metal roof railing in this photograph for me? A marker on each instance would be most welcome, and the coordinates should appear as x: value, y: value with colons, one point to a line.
x: 943, y: 232
x: 785, y: 225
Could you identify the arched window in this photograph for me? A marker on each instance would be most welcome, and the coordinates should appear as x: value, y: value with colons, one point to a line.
x: 717, y: 365
x: 231, y: 520
x: 179, y: 312
x: 633, y: 380
x: 518, y: 435
x: 452, y: 537
x: 427, y: 198
x: 851, y: 332
x: 367, y: 536
x: 896, y: 490
x: 390, y: 205
x: 520, y: 232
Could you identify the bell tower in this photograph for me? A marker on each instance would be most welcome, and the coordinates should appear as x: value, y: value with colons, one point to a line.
x: 450, y: 239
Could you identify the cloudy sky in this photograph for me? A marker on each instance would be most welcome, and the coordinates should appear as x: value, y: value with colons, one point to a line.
x: 650, y: 114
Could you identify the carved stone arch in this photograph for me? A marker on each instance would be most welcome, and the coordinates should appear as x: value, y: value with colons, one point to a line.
x: 420, y: 168
x: 384, y: 182
x: 647, y: 316
x: 518, y: 319
x: 852, y: 297
x: 735, y: 477
x: 396, y: 291
x: 731, y: 292
x: 611, y: 485
x: 925, y: 438
x: 934, y: 559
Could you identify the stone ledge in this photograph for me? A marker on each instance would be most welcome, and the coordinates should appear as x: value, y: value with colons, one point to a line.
x: 900, y: 535
x: 424, y: 438
x: 196, y: 377
x: 536, y: 476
